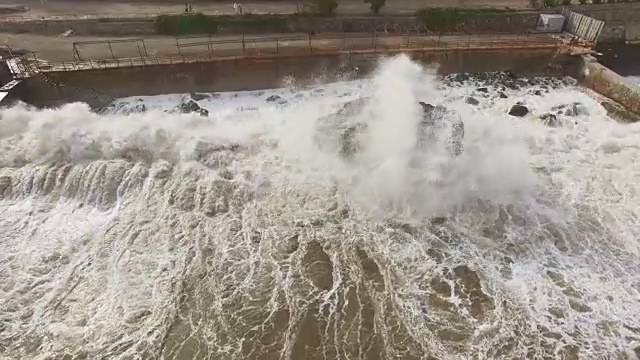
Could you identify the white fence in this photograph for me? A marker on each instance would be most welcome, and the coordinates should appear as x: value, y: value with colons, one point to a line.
x: 584, y: 27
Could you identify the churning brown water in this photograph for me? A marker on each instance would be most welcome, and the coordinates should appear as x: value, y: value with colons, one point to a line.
x: 235, y: 236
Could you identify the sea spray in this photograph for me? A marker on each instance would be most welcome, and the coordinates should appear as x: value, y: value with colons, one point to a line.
x: 158, y: 235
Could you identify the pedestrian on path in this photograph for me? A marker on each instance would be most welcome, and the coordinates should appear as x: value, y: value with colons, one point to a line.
x: 186, y: 7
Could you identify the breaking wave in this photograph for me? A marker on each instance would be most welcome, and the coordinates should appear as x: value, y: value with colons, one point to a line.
x: 162, y: 235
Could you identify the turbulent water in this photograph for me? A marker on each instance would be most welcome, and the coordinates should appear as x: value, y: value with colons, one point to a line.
x: 234, y: 236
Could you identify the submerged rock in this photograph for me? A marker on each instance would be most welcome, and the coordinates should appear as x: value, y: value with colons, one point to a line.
x: 345, y: 127
x: 191, y: 107
x: 518, y: 110
x: 472, y: 101
x: 274, y: 98
x: 435, y: 119
x: 198, y: 96
x: 550, y: 120
x: 482, y: 90
x: 576, y: 109
x: 502, y: 95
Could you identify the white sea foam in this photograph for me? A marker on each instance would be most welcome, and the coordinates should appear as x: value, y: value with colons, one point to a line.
x: 234, y: 236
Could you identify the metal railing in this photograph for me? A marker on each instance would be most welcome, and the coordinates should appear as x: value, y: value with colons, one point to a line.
x: 293, y: 46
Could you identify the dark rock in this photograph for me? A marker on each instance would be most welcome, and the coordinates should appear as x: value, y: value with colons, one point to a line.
x: 502, y: 95
x: 198, y: 96
x: 472, y: 101
x: 518, y: 110
x: 512, y: 85
x: 550, y: 120
x: 274, y: 98
x: 483, y: 90
x: 319, y: 91
x: 521, y: 83
x: 426, y: 107
x: 191, y: 107
x: 537, y: 92
x: 139, y: 108
x: 462, y: 77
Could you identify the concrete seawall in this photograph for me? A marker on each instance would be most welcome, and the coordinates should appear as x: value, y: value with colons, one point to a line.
x: 256, y: 74
x: 602, y: 80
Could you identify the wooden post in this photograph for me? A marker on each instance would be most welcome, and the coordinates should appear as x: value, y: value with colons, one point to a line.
x: 111, y: 49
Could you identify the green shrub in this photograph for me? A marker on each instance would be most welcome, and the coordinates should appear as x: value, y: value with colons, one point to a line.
x: 566, y: 2
x: 375, y: 5
x: 184, y: 24
x: 551, y: 3
x: 189, y: 24
x: 448, y: 19
x: 596, y: 1
x: 323, y: 7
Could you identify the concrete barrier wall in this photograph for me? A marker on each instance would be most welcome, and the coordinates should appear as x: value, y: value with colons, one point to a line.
x: 256, y: 74
x: 608, y: 83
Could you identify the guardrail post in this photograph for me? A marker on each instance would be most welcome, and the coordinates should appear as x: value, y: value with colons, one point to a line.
x: 244, y: 45
x: 110, y: 49
x: 277, y: 46
x: 310, y: 48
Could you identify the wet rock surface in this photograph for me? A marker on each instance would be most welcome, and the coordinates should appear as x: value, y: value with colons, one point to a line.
x: 191, y: 107
x: 472, y: 101
x: 550, y: 120
x: 518, y: 110
x: 274, y: 98
x: 345, y: 126
x: 199, y: 96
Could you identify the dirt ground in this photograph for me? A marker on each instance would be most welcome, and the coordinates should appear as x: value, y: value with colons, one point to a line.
x: 51, y: 7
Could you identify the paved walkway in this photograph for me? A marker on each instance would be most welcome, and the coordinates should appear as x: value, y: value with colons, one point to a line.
x: 61, y: 49
x: 54, y: 8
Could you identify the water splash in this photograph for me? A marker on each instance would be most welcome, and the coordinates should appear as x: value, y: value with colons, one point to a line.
x: 158, y: 235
